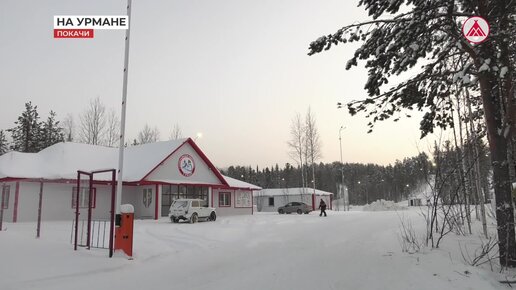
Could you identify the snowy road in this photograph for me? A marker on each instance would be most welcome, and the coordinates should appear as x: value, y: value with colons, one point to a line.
x: 346, y: 250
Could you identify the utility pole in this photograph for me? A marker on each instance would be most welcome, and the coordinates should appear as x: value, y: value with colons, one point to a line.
x: 342, y: 170
x: 122, y: 121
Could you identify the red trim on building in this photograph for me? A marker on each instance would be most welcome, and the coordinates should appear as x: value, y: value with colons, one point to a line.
x: 162, y: 161
x: 10, y: 179
x: 207, y: 161
x: 156, y: 203
x: 212, y: 197
x: 15, y: 208
x: 200, y: 153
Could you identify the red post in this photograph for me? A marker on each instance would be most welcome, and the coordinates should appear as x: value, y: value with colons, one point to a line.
x: 313, y: 201
x: 156, y: 210
x: 90, y: 200
x: 38, y: 230
x: 77, y: 209
x: 112, y: 217
x: 2, y: 207
x: 16, y: 196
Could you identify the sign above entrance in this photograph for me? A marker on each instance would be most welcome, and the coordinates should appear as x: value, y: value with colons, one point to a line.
x: 186, y: 165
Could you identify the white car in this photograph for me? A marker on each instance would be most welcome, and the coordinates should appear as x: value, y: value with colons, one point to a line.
x: 191, y: 210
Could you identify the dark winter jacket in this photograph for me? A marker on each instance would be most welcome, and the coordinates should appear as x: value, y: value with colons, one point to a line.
x: 322, y: 205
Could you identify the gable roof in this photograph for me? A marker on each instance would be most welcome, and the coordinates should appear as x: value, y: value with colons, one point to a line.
x: 201, y: 154
x: 62, y: 160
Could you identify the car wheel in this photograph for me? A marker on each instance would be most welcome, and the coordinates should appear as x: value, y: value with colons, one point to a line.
x: 281, y: 211
x: 299, y: 211
x: 194, y: 218
x: 213, y: 216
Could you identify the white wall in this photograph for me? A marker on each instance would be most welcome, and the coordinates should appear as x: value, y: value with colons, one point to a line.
x: 140, y: 211
x: 169, y: 171
x: 232, y: 210
x: 281, y: 200
x: 57, y: 202
x: 134, y: 195
x: 9, y: 211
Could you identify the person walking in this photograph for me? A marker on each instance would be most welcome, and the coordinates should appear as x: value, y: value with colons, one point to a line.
x: 322, y: 206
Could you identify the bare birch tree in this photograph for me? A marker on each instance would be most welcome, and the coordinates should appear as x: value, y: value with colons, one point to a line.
x: 92, y: 123
x: 148, y: 135
x: 297, y: 144
x: 69, y: 128
x: 313, y: 142
x: 176, y: 133
x: 112, y: 129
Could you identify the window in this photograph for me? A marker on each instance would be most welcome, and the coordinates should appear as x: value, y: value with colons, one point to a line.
x: 195, y: 203
x: 271, y: 201
x: 224, y: 199
x: 147, y: 197
x: 243, y: 199
x: 84, y: 197
x: 168, y: 195
x: 5, y: 196
x: 182, y: 192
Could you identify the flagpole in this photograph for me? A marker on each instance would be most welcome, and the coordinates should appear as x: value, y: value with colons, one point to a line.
x: 122, y: 121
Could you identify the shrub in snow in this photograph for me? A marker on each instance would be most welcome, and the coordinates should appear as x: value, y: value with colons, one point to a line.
x: 382, y: 205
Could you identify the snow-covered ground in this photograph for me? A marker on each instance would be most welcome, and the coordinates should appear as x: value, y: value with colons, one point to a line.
x: 346, y: 250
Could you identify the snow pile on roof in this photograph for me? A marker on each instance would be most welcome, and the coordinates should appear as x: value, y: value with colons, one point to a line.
x: 62, y: 160
x: 382, y: 205
x: 240, y: 184
x: 290, y: 191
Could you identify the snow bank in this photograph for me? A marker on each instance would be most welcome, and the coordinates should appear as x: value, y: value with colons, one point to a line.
x: 382, y: 205
x: 346, y: 250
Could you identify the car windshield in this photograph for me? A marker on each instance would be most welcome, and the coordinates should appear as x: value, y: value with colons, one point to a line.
x: 180, y: 204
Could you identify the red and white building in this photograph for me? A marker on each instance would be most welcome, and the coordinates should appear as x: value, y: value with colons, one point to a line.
x: 154, y: 175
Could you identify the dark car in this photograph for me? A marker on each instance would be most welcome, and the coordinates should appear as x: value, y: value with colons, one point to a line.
x: 299, y: 207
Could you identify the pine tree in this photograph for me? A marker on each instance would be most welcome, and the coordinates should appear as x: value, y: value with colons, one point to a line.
x: 402, y: 35
x: 26, y: 134
x: 51, y: 132
x: 4, y: 146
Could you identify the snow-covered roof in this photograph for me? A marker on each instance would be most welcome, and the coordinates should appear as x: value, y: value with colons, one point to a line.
x: 62, y: 160
x: 290, y: 191
x: 240, y: 184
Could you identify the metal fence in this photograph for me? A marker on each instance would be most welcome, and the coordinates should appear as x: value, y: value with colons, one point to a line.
x: 99, y: 233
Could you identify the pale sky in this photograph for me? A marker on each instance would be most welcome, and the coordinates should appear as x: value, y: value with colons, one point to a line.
x: 237, y: 71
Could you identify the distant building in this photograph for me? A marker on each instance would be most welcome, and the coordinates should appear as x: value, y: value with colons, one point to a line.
x: 155, y: 175
x: 268, y: 200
